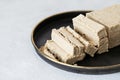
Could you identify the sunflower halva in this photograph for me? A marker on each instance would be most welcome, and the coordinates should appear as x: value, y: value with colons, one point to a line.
x: 94, y: 33
x: 110, y: 18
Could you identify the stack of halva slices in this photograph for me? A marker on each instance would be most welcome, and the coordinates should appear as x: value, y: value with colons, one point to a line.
x: 93, y: 34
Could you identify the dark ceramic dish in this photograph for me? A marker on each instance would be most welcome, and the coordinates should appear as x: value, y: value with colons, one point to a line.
x: 101, y: 64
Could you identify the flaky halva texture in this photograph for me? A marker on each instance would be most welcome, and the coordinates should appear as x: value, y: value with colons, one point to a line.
x: 110, y: 18
x: 93, y: 31
x: 89, y: 48
x: 96, y: 32
x: 60, y: 54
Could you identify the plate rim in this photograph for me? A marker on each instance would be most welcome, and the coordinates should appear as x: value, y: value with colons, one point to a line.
x: 61, y: 63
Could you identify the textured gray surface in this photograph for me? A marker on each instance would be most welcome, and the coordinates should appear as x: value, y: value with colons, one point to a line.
x: 18, y: 59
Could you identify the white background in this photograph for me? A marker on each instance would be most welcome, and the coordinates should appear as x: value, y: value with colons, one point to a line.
x: 18, y: 59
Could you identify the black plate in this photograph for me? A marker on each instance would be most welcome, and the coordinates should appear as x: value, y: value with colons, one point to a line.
x: 100, y: 64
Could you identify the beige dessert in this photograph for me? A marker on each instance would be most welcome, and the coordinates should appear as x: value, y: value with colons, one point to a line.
x: 93, y: 31
x: 67, y: 41
x: 89, y: 47
x: 60, y: 53
x: 110, y: 18
x: 45, y: 50
x: 96, y: 33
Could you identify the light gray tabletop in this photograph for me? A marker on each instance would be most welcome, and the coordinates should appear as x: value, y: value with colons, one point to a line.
x: 18, y: 59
